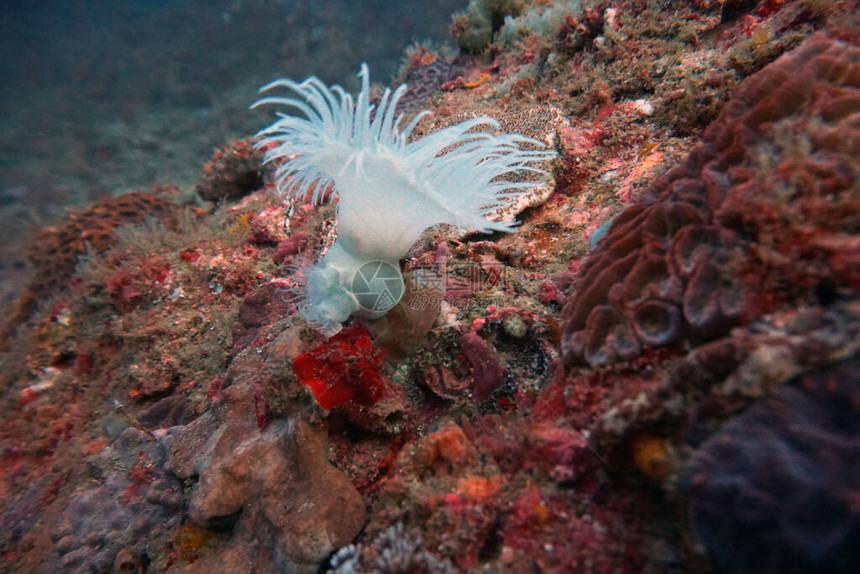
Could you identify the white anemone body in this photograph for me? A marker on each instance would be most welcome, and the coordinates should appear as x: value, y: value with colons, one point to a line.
x: 390, y: 189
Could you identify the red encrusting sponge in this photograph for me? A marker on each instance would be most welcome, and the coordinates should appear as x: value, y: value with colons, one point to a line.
x: 343, y: 369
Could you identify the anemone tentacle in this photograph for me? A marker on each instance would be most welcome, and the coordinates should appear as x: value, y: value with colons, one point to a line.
x: 390, y: 186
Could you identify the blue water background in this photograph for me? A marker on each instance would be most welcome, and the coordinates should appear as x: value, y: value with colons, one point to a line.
x: 101, y: 97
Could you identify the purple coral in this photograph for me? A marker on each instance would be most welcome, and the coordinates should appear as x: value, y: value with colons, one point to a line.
x: 776, y: 489
x: 487, y: 372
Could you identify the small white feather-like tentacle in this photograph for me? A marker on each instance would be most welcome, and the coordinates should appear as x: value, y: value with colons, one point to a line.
x: 388, y: 129
x: 407, y: 131
x: 395, y: 187
x: 292, y: 103
x: 376, y: 124
x: 463, y: 164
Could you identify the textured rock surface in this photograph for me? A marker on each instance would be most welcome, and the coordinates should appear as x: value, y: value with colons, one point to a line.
x: 290, y: 506
x: 776, y: 489
x: 695, y: 394
x: 741, y: 277
x: 235, y: 171
x: 116, y: 521
x: 423, y: 81
x: 727, y: 237
x: 487, y: 372
x: 261, y: 307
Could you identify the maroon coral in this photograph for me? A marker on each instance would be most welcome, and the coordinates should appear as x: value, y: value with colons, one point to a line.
x: 725, y: 237
x: 487, y: 372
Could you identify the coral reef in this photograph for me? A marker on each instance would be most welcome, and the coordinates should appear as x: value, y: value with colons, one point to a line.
x: 393, y: 552
x: 540, y: 20
x: 487, y: 372
x: 722, y: 238
x: 110, y: 525
x: 425, y: 75
x: 273, y: 483
x: 474, y: 27
x: 260, y: 308
x: 346, y: 368
x: 655, y: 371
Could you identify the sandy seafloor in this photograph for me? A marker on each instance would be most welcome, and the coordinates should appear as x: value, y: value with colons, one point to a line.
x: 656, y: 371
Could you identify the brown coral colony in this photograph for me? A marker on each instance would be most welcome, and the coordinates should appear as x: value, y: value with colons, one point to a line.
x: 56, y: 251
x: 722, y: 239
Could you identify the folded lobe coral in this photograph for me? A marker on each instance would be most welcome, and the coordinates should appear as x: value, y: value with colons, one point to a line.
x: 757, y: 218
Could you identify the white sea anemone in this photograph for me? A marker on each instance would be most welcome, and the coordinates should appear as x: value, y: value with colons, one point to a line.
x: 389, y: 189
